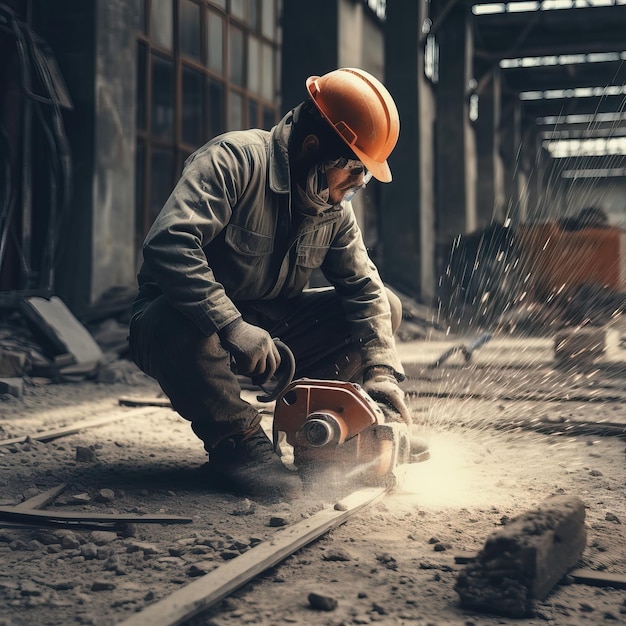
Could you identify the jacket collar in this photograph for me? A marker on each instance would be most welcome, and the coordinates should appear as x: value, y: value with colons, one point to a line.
x: 279, y: 152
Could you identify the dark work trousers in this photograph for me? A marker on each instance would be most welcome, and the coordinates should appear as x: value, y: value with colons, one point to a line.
x: 195, y: 372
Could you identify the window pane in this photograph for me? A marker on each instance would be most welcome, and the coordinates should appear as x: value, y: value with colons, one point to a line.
x: 253, y: 109
x: 193, y: 107
x: 162, y: 23
x: 161, y: 179
x: 216, y: 108
x: 269, y: 118
x: 141, y: 15
x: 237, y: 8
x: 215, y: 41
x: 141, y: 86
x: 235, y: 111
x: 253, y: 13
x: 162, y: 98
x: 189, y: 24
x: 253, y: 64
x: 268, y: 19
x: 236, y: 57
x: 220, y: 3
x: 267, y: 73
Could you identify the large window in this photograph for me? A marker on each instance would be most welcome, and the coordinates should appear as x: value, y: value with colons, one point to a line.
x: 203, y: 67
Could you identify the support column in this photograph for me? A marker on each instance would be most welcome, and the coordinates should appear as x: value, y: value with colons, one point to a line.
x: 456, y: 154
x: 407, y: 215
x: 511, y: 139
x: 533, y: 168
x: 310, y: 46
x: 490, y: 199
x: 95, y: 46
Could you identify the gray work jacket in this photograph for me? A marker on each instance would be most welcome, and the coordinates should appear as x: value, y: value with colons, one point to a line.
x: 223, y: 236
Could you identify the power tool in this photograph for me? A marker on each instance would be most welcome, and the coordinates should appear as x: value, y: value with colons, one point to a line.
x: 334, y: 427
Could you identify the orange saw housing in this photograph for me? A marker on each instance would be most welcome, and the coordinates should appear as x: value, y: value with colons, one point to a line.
x: 337, y: 423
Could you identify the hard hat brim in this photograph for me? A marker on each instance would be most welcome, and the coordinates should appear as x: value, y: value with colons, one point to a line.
x: 380, y: 171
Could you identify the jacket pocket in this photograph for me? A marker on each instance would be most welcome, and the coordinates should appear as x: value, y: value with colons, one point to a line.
x: 247, y: 242
x: 313, y: 247
x: 311, y: 256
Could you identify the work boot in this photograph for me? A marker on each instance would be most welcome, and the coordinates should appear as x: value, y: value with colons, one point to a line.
x: 248, y: 464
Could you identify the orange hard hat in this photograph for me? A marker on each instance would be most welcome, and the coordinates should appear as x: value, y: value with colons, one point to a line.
x: 361, y: 110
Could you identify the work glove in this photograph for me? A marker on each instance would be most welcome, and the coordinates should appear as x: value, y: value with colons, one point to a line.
x: 253, y: 349
x: 380, y: 383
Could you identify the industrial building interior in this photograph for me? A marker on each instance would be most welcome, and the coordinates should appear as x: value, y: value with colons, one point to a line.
x: 502, y: 233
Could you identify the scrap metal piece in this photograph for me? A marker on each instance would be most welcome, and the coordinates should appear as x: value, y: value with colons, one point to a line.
x: 467, y: 350
x: 34, y: 517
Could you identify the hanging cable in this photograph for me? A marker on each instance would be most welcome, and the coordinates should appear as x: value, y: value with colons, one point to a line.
x: 42, y: 105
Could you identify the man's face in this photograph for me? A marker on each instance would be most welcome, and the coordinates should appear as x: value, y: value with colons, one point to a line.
x: 344, y: 176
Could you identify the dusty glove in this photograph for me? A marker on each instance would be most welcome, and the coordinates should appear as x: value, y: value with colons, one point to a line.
x: 253, y: 349
x: 380, y: 384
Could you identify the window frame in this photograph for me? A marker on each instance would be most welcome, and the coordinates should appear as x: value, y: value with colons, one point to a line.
x: 266, y: 109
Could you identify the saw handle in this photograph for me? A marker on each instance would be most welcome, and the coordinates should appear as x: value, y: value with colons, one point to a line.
x: 284, y: 374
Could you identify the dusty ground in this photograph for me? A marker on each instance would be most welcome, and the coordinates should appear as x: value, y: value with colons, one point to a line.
x: 392, y: 563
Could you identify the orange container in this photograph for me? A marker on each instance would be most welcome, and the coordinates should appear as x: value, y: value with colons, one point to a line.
x: 557, y: 261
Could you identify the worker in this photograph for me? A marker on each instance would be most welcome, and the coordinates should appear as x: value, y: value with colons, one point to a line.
x: 227, y: 263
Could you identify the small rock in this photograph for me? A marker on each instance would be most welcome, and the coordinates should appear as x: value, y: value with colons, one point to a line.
x: 31, y: 492
x: 387, y: 560
x: 85, y: 455
x: 9, y: 585
x: 340, y: 506
x: 29, y: 588
x: 141, y: 546
x: 81, y: 498
x: 102, y: 537
x: 102, y: 585
x: 239, y: 545
x: 34, y: 546
x: 337, y: 554
x: 47, y: 538
x: 321, y: 602
x: 64, y: 585
x: 611, y: 517
x: 278, y: 520
x: 245, y: 507
x: 378, y: 608
x: 70, y: 542
x: 228, y: 555
x: 89, y: 551
x: 105, y: 495
x: 200, y: 568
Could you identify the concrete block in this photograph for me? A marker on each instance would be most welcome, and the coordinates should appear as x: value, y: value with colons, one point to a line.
x: 525, y: 559
x: 60, y: 330
x: 12, y: 386
x: 12, y: 364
